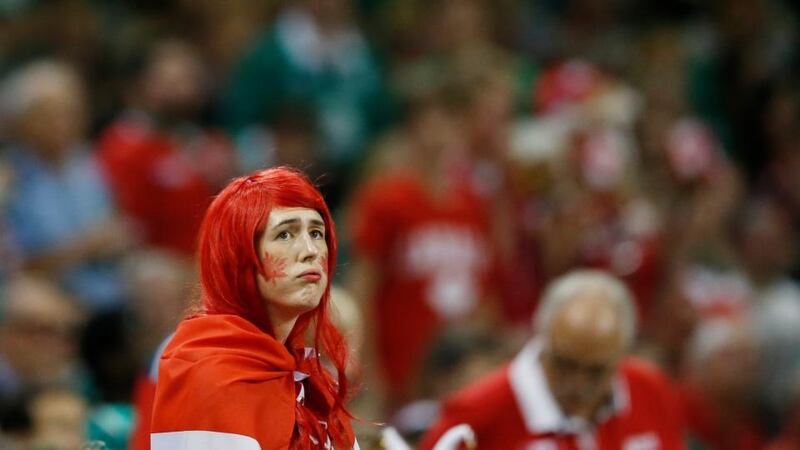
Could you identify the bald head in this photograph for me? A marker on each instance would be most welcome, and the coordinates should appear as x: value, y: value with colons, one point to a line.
x: 590, y: 306
x: 588, y: 324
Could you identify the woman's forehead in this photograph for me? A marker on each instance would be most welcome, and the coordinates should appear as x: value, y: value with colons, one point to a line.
x: 280, y: 215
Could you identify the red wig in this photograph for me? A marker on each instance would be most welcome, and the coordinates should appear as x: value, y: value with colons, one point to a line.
x: 229, y: 264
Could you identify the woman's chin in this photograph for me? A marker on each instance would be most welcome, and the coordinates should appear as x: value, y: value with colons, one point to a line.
x: 296, y: 305
x: 309, y: 299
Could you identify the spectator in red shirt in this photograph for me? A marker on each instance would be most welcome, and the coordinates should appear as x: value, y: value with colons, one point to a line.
x: 163, y: 167
x: 422, y: 252
x: 571, y: 387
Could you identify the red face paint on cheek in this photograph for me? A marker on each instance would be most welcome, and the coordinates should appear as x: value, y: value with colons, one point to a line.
x: 274, y: 267
x: 324, y: 262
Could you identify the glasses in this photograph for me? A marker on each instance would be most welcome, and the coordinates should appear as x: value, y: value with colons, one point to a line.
x: 569, y: 367
x: 44, y: 328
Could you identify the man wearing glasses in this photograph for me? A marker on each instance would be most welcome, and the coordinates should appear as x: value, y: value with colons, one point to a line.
x: 572, y: 386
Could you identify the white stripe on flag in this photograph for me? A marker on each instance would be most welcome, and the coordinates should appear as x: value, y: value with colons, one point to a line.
x: 201, y: 440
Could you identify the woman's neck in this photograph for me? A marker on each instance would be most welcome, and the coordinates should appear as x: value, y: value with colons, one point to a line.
x: 282, y: 323
x: 282, y: 330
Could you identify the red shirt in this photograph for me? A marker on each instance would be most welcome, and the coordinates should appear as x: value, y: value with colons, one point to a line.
x: 157, y: 180
x: 513, y: 408
x: 704, y: 425
x: 432, y: 260
x: 144, y: 393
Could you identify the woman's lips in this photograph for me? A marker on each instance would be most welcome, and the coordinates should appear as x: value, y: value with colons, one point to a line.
x: 311, y: 275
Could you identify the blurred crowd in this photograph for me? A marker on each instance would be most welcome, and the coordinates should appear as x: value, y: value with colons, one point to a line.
x: 471, y: 151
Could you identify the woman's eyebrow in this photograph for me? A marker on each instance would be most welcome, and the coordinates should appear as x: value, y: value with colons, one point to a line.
x: 290, y: 221
x: 296, y: 220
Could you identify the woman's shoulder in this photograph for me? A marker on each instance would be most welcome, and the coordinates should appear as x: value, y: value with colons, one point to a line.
x: 212, y: 377
x: 223, y: 337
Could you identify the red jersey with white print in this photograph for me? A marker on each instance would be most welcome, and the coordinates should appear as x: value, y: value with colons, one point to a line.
x: 513, y: 409
x: 432, y: 259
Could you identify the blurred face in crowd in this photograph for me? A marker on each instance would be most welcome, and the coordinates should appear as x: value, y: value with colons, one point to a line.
x: 329, y: 12
x: 173, y: 87
x: 295, y: 139
x: 159, y: 284
x: 55, y: 120
x: 462, y: 22
x: 673, y: 335
x: 434, y: 132
x: 768, y: 243
x: 583, y: 345
x: 727, y: 373
x: 39, y: 330
x: 295, y: 258
x: 782, y: 113
x: 58, y: 418
x: 490, y: 113
x: 783, y: 170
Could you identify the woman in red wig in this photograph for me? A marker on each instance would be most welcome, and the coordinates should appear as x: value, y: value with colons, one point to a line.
x: 237, y: 375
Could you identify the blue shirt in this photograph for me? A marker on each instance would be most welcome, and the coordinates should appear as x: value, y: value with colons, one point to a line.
x: 49, y: 206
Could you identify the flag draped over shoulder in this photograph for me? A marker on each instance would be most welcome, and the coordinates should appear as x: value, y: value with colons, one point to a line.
x: 224, y: 383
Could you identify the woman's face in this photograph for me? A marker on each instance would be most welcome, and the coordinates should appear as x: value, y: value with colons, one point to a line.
x: 295, y: 257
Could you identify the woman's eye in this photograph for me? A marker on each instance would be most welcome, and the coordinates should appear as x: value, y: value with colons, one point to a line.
x: 317, y: 234
x: 283, y: 235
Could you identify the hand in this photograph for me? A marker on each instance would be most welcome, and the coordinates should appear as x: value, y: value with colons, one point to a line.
x: 111, y: 237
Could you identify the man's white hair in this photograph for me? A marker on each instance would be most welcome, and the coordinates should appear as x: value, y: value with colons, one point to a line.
x: 23, y: 87
x: 567, y: 287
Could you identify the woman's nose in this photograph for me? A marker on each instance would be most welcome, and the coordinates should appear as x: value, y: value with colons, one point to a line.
x: 308, y: 248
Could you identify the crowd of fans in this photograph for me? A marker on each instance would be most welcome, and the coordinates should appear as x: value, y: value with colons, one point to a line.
x: 471, y: 150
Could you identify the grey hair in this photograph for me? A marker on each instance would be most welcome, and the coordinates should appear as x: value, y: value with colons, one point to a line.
x: 23, y: 87
x: 566, y: 287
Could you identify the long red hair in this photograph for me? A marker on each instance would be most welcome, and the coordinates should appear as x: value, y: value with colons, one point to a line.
x: 229, y: 264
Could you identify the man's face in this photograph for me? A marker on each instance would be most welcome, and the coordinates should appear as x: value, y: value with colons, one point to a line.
x: 173, y: 84
x: 768, y: 241
x: 435, y: 132
x: 58, y: 420
x: 55, y: 122
x: 579, y: 382
x: 729, y: 372
x: 39, y: 332
x: 582, y: 350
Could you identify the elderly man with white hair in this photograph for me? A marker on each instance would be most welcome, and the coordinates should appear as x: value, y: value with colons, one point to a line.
x: 572, y: 386
x: 58, y: 212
